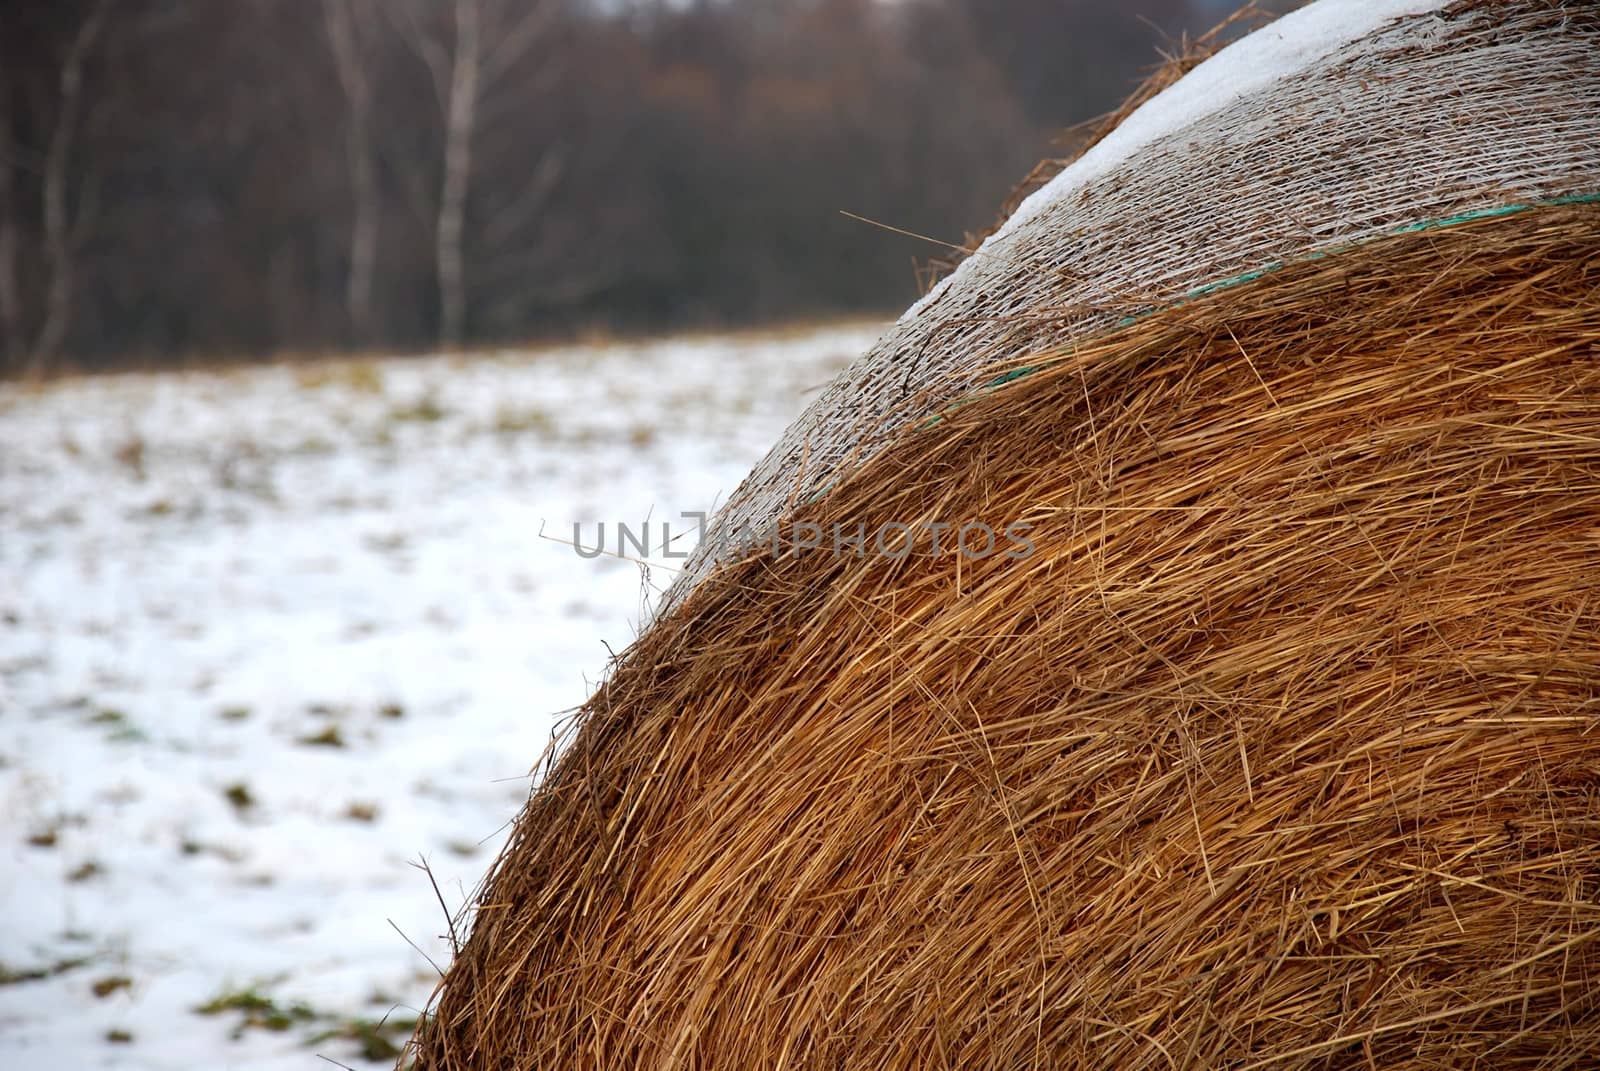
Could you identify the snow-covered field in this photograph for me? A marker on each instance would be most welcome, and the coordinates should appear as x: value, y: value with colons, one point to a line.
x: 270, y: 637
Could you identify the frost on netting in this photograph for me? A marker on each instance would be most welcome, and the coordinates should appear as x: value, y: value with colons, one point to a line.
x: 1337, y: 123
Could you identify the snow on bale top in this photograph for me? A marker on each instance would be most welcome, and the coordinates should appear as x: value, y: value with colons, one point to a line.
x: 1344, y: 120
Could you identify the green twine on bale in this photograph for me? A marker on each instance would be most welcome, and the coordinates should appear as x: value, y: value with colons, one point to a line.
x: 1249, y: 277
x: 1276, y: 265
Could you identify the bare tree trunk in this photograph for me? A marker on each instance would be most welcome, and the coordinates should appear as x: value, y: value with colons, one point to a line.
x: 58, y: 232
x: 344, y: 20
x: 12, y: 332
x: 490, y: 41
x: 459, y: 119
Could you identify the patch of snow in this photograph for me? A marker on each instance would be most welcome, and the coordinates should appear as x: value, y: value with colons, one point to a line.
x: 268, y: 637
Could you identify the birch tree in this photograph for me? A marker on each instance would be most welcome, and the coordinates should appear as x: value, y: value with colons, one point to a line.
x: 460, y: 115
x: 12, y: 330
x: 488, y: 41
x: 350, y: 27
x: 64, y: 210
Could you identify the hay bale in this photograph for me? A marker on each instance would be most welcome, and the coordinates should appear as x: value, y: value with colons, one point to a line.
x: 1339, y: 123
x: 1279, y: 749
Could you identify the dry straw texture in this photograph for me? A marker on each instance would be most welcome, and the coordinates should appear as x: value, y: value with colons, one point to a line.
x: 1279, y: 751
x: 1463, y: 107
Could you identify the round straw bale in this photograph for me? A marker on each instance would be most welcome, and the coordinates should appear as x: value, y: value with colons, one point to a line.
x: 1264, y: 732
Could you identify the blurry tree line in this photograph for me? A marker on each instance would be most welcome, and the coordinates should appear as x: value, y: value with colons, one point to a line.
x: 245, y: 177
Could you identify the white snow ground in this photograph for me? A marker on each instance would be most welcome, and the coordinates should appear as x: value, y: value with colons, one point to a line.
x: 269, y: 637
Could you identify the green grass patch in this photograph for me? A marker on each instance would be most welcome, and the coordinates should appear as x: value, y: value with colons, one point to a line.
x: 240, y: 796
x: 425, y: 410
x: 535, y: 421
x: 112, y: 983
x: 378, y: 1040
x: 329, y: 737
x: 18, y: 975
x: 257, y: 1011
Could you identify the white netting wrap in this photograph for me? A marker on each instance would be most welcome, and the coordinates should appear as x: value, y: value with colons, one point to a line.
x: 1342, y: 121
